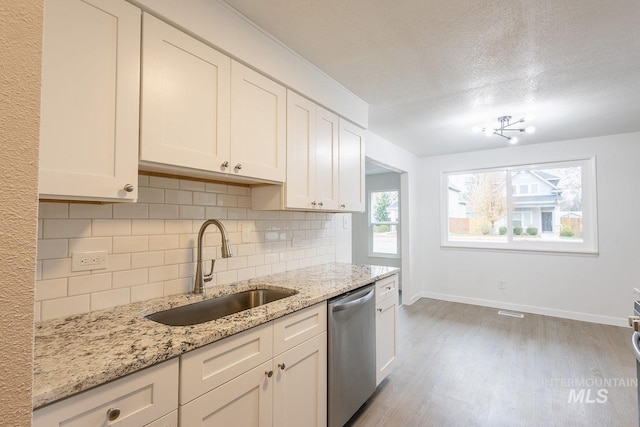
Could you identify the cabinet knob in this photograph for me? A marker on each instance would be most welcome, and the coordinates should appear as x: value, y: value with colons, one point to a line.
x: 314, y: 204
x: 128, y: 188
x: 320, y: 204
x: 238, y: 166
x: 269, y: 374
x: 224, y: 165
x: 113, y: 414
x: 389, y: 288
x: 281, y: 366
x: 379, y: 310
x: 343, y: 206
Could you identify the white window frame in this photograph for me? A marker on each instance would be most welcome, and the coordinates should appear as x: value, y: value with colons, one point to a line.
x: 373, y: 254
x: 589, y: 244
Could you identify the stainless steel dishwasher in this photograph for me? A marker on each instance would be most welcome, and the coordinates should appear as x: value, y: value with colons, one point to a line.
x: 352, y: 353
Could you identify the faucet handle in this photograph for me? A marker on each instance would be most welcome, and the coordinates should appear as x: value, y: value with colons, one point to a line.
x: 209, y: 277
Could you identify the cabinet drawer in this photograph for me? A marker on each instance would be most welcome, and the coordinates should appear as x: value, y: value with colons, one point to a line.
x: 208, y: 367
x: 386, y: 287
x: 141, y: 397
x: 296, y: 328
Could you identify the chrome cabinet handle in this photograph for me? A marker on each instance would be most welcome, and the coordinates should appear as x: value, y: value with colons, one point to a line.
x: 225, y: 164
x: 113, y: 414
x: 238, y: 166
x: 269, y: 374
x: 128, y: 188
x: 281, y: 366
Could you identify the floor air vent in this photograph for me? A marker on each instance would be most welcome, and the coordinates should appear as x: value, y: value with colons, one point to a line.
x: 511, y: 314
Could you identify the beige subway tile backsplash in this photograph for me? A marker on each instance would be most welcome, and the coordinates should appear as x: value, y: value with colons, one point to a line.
x: 151, y: 244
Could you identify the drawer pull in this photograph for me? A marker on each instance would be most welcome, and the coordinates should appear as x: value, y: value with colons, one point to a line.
x: 269, y: 374
x: 281, y: 366
x: 379, y: 310
x: 113, y: 414
x: 389, y: 288
x: 128, y: 188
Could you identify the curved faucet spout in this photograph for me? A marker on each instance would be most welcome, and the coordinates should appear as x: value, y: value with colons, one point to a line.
x: 201, y: 278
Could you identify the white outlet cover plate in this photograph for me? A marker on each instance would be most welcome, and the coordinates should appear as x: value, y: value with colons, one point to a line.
x: 85, y: 261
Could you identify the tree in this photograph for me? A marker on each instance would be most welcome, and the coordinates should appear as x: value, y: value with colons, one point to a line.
x: 485, y: 192
x: 380, y: 210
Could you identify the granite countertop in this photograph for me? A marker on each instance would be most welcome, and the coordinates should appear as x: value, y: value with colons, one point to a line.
x: 75, y: 353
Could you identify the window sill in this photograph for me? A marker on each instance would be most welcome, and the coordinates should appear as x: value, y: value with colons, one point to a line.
x: 520, y: 249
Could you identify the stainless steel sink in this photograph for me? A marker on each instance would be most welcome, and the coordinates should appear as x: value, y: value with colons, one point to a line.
x: 216, y: 308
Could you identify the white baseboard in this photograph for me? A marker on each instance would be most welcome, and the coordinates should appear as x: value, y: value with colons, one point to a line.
x: 585, y: 317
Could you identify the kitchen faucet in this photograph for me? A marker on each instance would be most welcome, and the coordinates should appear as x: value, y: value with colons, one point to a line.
x: 198, y: 287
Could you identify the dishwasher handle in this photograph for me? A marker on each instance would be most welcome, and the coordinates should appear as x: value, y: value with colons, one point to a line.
x: 337, y: 306
x: 635, y: 340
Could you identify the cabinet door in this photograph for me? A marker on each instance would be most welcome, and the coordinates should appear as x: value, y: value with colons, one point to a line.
x: 300, y: 393
x: 186, y: 89
x: 258, y: 125
x: 90, y: 100
x: 301, y: 154
x: 386, y: 336
x: 326, y: 165
x: 169, y: 420
x: 244, y: 401
x: 351, y: 158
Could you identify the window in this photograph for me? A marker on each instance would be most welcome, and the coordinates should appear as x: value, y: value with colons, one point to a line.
x: 542, y: 207
x: 384, y: 223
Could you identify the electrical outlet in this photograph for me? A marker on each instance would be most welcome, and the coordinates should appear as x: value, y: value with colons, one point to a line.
x: 502, y: 284
x: 246, y: 230
x: 84, y: 261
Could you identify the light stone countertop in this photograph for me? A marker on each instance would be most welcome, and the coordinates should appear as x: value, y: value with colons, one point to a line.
x: 76, y: 353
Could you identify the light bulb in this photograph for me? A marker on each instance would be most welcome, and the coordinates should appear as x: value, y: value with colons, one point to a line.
x: 530, y: 129
x: 513, y: 140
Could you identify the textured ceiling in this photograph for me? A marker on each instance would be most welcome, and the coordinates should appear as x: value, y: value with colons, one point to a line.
x: 433, y: 69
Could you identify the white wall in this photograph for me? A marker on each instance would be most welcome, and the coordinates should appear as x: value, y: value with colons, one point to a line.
x: 394, y: 157
x: 591, y: 288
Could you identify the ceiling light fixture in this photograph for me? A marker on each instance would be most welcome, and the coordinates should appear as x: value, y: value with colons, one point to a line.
x: 506, y: 126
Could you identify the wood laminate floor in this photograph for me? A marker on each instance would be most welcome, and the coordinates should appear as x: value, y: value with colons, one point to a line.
x: 464, y: 365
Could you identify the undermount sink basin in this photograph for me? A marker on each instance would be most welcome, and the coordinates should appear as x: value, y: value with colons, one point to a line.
x: 215, y: 308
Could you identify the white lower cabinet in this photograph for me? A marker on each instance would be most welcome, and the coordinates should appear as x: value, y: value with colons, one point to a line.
x: 300, y: 392
x: 272, y: 375
x: 386, y: 326
x: 148, y: 397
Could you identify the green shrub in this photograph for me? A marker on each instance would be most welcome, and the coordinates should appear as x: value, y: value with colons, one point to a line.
x: 532, y: 231
x: 382, y: 228
x: 566, y: 231
x: 502, y: 231
x: 517, y: 231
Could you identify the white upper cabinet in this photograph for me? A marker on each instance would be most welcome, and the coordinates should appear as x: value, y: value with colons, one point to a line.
x: 313, y: 162
x: 301, y: 154
x: 326, y: 164
x: 351, y: 169
x: 186, y: 100
x: 206, y: 115
x: 258, y: 125
x: 90, y: 100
